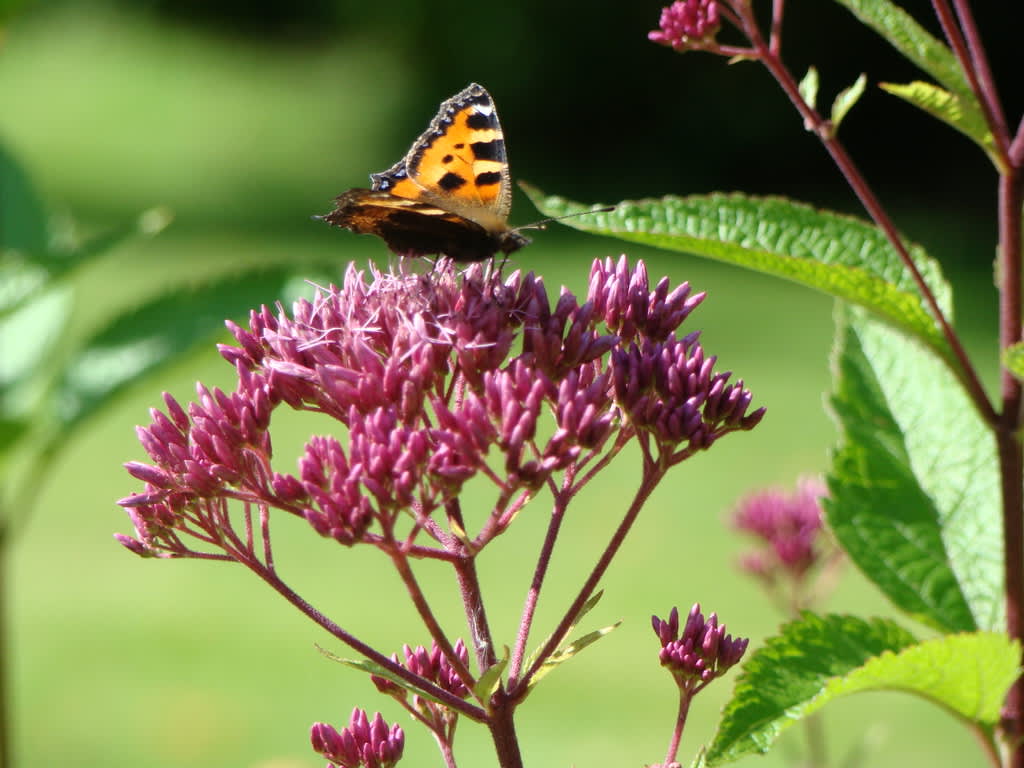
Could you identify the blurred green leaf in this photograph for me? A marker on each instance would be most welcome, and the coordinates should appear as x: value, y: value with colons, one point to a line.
x: 135, y: 344
x: 30, y: 338
x: 1013, y: 359
x: 816, y: 660
x: 839, y: 255
x: 914, y: 484
x: 947, y: 107
x: 23, y: 223
x: 24, y: 275
x: 809, y: 87
x: 845, y: 100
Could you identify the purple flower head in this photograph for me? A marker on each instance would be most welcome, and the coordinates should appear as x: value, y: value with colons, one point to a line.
x: 426, y: 382
x: 362, y: 744
x: 702, y: 652
x: 789, y: 527
x: 687, y: 24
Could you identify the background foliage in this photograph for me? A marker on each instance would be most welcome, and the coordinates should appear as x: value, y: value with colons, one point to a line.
x: 244, y: 121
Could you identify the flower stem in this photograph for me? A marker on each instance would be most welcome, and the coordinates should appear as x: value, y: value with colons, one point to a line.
x: 401, y: 563
x: 503, y: 731
x: 449, y: 700
x: 822, y: 128
x: 652, y: 475
x: 533, y: 595
x: 685, y: 696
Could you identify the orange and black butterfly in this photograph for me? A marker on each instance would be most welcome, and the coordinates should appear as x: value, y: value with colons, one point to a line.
x: 449, y: 195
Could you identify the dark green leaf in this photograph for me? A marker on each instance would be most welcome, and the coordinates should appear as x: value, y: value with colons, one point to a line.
x: 23, y: 224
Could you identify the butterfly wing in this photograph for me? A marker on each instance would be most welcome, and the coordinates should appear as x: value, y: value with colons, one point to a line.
x: 459, y: 163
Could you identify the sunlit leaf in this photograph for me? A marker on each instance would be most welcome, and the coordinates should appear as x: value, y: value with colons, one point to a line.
x: 914, y: 485
x: 839, y: 255
x: 816, y: 660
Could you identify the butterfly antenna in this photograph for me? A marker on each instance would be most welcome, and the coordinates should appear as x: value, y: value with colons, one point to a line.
x: 540, y: 224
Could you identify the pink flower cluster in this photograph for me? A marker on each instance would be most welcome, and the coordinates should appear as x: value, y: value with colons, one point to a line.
x: 702, y: 652
x: 687, y: 24
x: 427, y: 378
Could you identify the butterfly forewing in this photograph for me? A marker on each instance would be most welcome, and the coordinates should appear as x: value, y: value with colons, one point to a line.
x: 459, y: 162
x: 450, y: 194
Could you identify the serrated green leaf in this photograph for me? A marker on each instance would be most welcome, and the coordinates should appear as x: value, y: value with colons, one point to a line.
x: 809, y: 87
x: 135, y: 344
x: 908, y: 37
x: 914, y: 489
x: 932, y: 56
x: 490, y: 680
x: 947, y: 107
x: 839, y: 255
x: 1013, y: 359
x: 816, y: 660
x: 846, y: 99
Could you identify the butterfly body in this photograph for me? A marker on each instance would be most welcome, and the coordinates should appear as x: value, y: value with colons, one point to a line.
x: 449, y: 195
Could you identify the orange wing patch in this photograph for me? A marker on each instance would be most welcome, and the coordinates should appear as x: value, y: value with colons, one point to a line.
x: 449, y: 195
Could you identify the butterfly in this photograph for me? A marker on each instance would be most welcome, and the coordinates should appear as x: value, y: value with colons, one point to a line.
x: 449, y: 195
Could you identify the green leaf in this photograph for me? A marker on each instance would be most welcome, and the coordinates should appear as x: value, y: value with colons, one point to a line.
x: 24, y: 275
x: 846, y: 99
x: 780, y: 681
x: 1013, y: 359
x: 819, y: 659
x: 566, y: 652
x: 933, y: 57
x: 373, y: 668
x: 839, y: 255
x: 135, y: 344
x: 809, y: 87
x: 23, y: 223
x: 490, y: 680
x: 914, y: 486
x: 912, y: 40
x: 947, y: 107
x: 545, y: 668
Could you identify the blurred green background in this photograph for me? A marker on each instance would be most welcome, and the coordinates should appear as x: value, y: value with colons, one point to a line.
x: 246, y: 119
